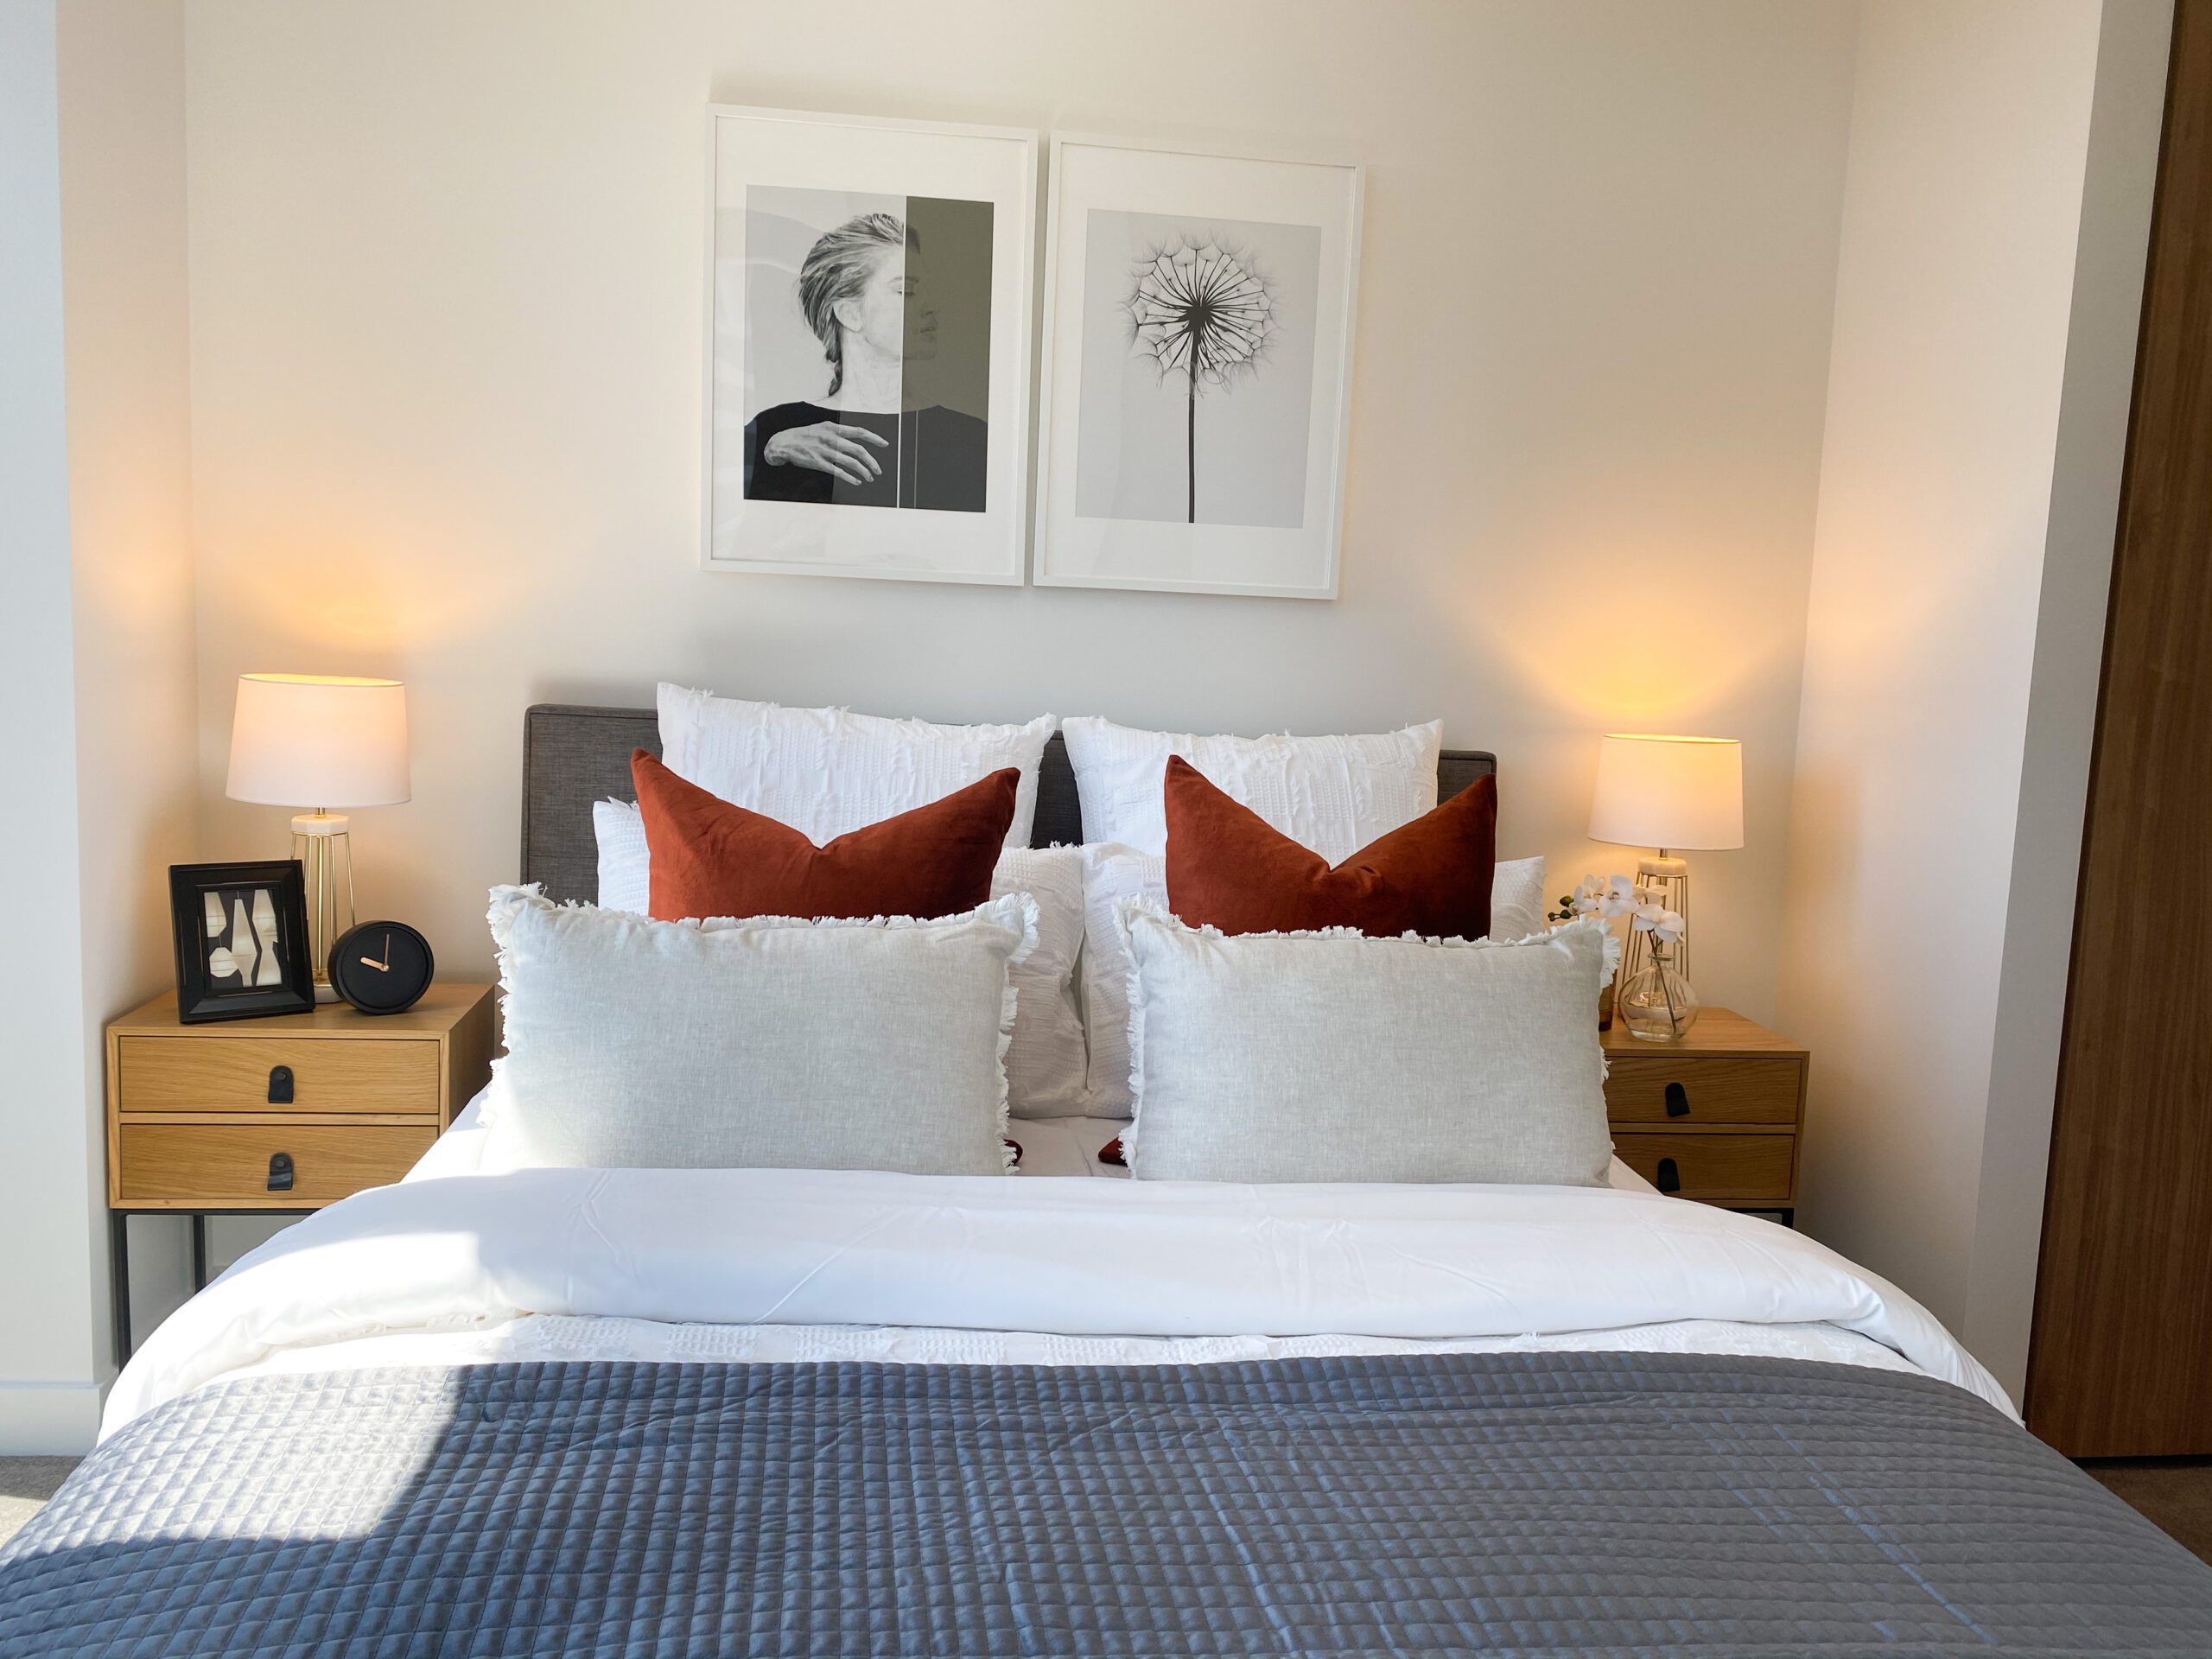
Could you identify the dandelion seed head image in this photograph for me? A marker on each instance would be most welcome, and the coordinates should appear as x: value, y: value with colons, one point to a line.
x: 1200, y: 309
x: 1183, y: 320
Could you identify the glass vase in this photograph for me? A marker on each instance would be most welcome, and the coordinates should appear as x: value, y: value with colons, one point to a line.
x: 1656, y: 1003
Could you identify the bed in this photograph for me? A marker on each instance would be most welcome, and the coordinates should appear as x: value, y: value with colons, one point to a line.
x: 850, y: 1412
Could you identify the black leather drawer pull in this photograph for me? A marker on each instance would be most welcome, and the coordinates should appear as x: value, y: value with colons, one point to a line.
x: 1669, y: 1179
x: 1678, y: 1101
x: 280, y: 1171
x: 280, y: 1085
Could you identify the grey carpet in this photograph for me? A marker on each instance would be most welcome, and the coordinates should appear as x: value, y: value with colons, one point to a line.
x: 25, y: 1485
x: 2174, y: 1493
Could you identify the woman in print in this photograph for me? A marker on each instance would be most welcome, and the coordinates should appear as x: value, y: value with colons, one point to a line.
x: 863, y: 290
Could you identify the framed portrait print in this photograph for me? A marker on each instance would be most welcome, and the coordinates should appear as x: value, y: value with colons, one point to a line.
x: 868, y: 295
x: 1197, y: 370
x: 241, y: 937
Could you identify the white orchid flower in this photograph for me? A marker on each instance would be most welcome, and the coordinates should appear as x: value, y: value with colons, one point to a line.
x: 1662, y: 924
x: 1620, y: 898
x: 1587, y: 896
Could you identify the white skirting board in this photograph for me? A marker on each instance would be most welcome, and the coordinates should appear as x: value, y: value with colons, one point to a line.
x: 48, y: 1418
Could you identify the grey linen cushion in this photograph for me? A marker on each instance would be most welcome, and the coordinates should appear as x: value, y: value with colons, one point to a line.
x: 1333, y: 1057
x: 762, y: 1043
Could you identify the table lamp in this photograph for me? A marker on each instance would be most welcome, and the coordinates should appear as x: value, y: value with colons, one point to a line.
x: 1676, y: 794
x: 324, y: 741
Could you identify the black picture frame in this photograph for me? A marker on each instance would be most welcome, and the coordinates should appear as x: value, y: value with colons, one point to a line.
x: 218, y: 923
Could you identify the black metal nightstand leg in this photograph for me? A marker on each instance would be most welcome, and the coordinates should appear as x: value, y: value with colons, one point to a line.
x: 118, y: 1259
x: 119, y: 1276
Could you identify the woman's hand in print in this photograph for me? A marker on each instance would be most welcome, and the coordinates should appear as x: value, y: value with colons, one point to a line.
x: 828, y: 446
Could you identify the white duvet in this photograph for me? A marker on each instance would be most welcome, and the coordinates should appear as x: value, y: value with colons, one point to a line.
x: 745, y: 1265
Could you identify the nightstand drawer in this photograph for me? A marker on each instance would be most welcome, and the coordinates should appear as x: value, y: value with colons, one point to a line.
x: 232, y: 1074
x: 1727, y: 1169
x: 229, y: 1163
x: 1701, y: 1089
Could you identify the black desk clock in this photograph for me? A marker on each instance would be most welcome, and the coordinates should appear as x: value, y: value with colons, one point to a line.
x: 381, y: 967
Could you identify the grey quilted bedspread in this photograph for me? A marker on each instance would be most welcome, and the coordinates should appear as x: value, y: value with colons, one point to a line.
x: 1520, y: 1503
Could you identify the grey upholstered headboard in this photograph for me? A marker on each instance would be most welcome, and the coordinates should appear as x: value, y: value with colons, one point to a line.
x: 573, y: 755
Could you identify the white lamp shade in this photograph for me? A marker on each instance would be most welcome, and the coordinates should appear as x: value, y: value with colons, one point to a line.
x: 313, y: 740
x: 1682, y: 793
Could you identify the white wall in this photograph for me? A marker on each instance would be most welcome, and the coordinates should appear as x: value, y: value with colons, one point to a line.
x: 446, y: 377
x: 47, y: 1379
x: 123, y: 246
x: 1642, y: 382
x: 1994, y: 222
x: 96, y: 585
x: 2126, y: 120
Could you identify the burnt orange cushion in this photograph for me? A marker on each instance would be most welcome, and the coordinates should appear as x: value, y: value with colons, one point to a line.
x: 711, y: 858
x: 1228, y: 867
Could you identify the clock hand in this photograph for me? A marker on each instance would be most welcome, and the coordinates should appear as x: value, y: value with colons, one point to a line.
x: 371, y: 962
x: 386, y: 963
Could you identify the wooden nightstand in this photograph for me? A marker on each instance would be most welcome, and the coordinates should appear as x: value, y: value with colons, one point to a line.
x: 277, y: 1117
x: 1715, y: 1117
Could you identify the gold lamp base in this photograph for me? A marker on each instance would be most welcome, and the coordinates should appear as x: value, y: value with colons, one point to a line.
x: 321, y: 842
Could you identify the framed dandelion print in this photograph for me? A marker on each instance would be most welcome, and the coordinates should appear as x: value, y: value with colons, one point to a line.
x: 1197, y: 370
x: 869, y: 292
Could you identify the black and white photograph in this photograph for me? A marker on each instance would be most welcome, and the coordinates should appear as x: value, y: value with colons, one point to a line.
x: 1197, y: 370
x: 241, y: 937
x: 868, y: 338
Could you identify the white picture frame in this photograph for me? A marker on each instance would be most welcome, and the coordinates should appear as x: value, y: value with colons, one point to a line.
x: 1162, y: 242
x: 782, y: 186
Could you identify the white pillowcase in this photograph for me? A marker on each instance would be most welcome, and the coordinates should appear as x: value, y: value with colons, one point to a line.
x: 1332, y: 794
x: 826, y: 771
x: 768, y: 1043
x: 1114, y: 873
x: 1047, y: 1069
x: 626, y: 869
x: 1516, y: 899
x: 1333, y: 1057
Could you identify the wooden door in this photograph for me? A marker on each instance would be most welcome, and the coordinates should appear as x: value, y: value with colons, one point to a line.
x: 2121, y: 1361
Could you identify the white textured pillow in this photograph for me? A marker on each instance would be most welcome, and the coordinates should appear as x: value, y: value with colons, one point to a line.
x: 1046, y: 1068
x: 1333, y: 1057
x: 1112, y: 874
x: 1332, y: 794
x: 770, y: 1043
x: 1516, y: 899
x: 626, y: 867
x: 825, y: 771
